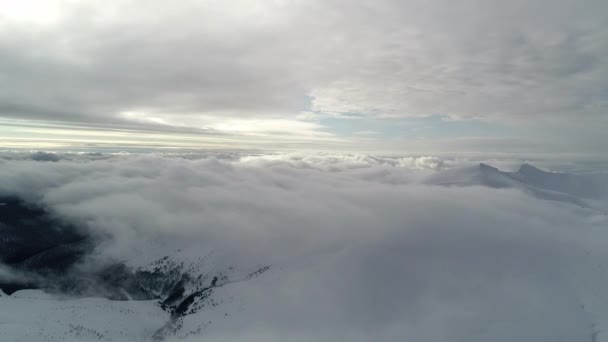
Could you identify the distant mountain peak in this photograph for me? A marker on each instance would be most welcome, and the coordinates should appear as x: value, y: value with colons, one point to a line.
x: 529, y: 168
x: 487, y: 168
x: 558, y: 186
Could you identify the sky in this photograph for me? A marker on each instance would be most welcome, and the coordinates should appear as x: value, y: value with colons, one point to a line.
x: 471, y: 76
x: 338, y: 141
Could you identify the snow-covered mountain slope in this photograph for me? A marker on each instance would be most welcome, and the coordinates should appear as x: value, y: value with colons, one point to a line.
x: 162, y: 294
x: 585, y: 190
x: 590, y: 185
x: 31, y: 315
x: 45, y: 265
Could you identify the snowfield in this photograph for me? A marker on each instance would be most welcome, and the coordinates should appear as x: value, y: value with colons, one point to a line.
x: 31, y: 315
x: 276, y: 247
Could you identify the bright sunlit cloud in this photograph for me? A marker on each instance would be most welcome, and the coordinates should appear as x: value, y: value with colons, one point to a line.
x: 32, y: 12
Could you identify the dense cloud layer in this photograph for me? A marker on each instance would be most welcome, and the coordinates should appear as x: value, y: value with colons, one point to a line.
x: 361, y: 249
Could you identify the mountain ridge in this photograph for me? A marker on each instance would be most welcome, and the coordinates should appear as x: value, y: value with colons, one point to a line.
x: 579, y: 189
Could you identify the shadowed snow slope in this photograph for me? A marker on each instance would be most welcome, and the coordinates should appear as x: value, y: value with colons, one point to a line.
x: 580, y: 189
x: 593, y: 186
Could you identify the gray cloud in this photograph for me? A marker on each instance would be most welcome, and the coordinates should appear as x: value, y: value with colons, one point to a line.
x: 185, y: 67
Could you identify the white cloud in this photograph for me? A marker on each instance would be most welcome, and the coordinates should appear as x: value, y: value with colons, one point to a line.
x: 360, y: 249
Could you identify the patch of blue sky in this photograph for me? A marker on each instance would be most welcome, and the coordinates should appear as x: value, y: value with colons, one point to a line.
x: 423, y: 127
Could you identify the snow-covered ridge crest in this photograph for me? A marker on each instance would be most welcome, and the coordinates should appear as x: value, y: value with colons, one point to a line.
x: 584, y: 190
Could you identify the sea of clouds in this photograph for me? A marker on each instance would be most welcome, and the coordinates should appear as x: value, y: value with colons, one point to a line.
x: 361, y: 247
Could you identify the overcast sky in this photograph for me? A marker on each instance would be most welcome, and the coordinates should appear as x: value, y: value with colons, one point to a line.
x: 392, y: 76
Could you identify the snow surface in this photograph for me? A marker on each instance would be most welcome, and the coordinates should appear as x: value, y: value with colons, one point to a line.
x: 31, y: 315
